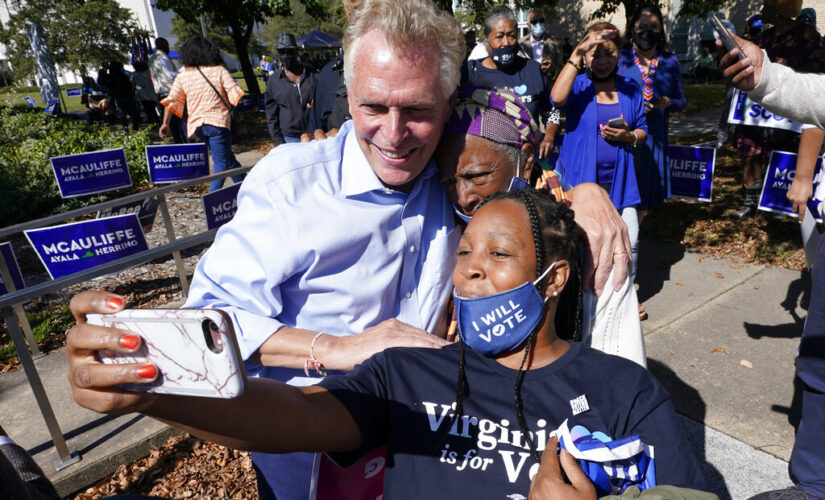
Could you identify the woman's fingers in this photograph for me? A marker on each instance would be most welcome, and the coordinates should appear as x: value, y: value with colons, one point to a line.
x: 95, y: 301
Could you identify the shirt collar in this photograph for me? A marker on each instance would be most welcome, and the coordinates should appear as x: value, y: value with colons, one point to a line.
x: 357, y: 176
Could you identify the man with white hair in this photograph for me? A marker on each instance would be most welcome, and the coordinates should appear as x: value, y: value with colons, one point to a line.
x: 344, y: 247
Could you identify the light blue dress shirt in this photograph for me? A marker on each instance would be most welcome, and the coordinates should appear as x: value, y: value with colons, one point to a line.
x: 318, y: 242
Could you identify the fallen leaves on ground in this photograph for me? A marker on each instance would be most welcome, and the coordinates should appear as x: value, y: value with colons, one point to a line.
x: 719, y: 349
x: 746, y: 363
x: 184, y: 467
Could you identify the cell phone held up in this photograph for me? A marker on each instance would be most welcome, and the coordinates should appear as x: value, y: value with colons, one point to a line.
x: 194, y: 350
x: 722, y: 33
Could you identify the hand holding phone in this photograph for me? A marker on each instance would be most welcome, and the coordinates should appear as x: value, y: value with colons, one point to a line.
x: 194, y: 350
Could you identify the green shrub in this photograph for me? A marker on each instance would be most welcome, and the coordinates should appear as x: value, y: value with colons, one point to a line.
x: 29, y: 137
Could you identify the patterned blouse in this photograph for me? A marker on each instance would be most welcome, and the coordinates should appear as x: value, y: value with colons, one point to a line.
x: 203, y: 106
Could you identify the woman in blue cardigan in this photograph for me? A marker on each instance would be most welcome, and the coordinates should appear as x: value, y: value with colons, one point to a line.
x: 659, y: 76
x: 593, y: 151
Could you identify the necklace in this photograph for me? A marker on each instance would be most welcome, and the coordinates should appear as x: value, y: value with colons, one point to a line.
x: 647, y: 75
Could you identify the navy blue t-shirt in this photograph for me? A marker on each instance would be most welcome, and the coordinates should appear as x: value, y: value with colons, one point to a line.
x: 526, y: 81
x: 403, y: 398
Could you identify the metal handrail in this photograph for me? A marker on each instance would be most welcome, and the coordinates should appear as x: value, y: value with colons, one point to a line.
x: 33, y: 292
x: 71, y: 214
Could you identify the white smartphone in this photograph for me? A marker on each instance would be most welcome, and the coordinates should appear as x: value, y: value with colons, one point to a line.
x: 195, y: 350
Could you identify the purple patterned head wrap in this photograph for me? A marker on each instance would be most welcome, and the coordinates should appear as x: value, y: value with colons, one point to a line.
x: 494, y: 114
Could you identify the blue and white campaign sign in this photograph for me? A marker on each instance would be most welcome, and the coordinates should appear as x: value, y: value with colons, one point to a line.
x: 220, y: 206
x: 91, y: 173
x: 7, y: 254
x: 177, y: 162
x: 778, y: 179
x: 31, y: 102
x: 266, y: 66
x: 71, y: 248
x: 146, y: 211
x: 691, y: 172
x: 53, y: 107
x: 73, y: 92
x: 743, y: 111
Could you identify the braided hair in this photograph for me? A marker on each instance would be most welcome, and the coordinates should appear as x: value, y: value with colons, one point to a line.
x: 555, y: 235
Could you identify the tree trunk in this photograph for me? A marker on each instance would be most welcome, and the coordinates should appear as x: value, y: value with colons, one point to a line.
x: 241, y: 38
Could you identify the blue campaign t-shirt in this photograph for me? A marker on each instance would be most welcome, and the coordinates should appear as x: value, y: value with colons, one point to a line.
x: 526, y: 81
x: 403, y: 398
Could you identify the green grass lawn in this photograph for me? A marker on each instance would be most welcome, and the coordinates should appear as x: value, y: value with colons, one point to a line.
x: 18, y: 97
x: 703, y: 97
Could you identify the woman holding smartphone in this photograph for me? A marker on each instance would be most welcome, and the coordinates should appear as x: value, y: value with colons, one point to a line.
x: 605, y: 123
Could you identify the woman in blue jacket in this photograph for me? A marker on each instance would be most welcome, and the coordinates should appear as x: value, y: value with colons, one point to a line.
x: 594, y: 151
x: 659, y: 76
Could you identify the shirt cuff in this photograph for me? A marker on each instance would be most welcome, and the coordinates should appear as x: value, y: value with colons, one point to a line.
x: 175, y: 107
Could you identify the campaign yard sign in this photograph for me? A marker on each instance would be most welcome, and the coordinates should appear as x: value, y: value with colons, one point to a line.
x: 177, y: 162
x: 73, y: 92
x: 743, y: 111
x: 146, y: 211
x: 691, y: 172
x: 778, y: 179
x: 7, y: 254
x: 91, y: 173
x: 220, y: 206
x: 53, y: 107
x: 73, y: 247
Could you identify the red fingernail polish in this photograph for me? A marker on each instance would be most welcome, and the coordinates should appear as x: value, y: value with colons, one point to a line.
x: 129, y: 341
x: 148, y: 371
x: 114, y: 303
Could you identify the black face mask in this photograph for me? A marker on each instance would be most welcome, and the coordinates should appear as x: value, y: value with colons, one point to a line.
x: 505, y: 58
x: 291, y: 62
x: 646, y: 39
x: 596, y: 79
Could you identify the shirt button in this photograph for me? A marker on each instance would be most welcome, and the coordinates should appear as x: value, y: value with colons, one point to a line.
x: 409, y: 295
x: 412, y: 248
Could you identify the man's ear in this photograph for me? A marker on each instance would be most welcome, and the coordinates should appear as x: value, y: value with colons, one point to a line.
x: 557, y: 278
x: 527, y: 151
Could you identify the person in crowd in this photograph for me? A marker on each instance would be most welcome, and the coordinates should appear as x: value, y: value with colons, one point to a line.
x: 512, y: 391
x: 704, y: 67
x: 163, y: 73
x: 797, y: 96
x: 487, y: 147
x: 807, y: 16
x: 503, y: 67
x: 799, y: 47
x: 102, y: 75
x: 753, y: 27
x: 606, y: 124
x: 122, y: 91
x: 659, y: 75
x: 289, y: 94
x: 145, y: 92
x: 331, y: 107
x: 541, y: 46
x: 20, y: 476
x: 208, y: 92
x: 265, y: 67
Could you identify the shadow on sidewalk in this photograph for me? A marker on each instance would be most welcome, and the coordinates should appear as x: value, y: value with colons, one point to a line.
x: 689, y: 403
x: 655, y: 260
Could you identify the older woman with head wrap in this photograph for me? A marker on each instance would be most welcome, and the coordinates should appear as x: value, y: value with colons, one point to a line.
x: 487, y: 147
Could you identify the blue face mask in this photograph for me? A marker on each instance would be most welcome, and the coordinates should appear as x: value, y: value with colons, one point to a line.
x: 499, y: 323
x: 537, y: 30
x: 516, y: 184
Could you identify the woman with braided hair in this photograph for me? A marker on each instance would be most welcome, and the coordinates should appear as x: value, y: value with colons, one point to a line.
x: 518, y: 383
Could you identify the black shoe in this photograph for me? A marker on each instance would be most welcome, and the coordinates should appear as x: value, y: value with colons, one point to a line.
x: 791, y: 493
x: 752, y: 194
